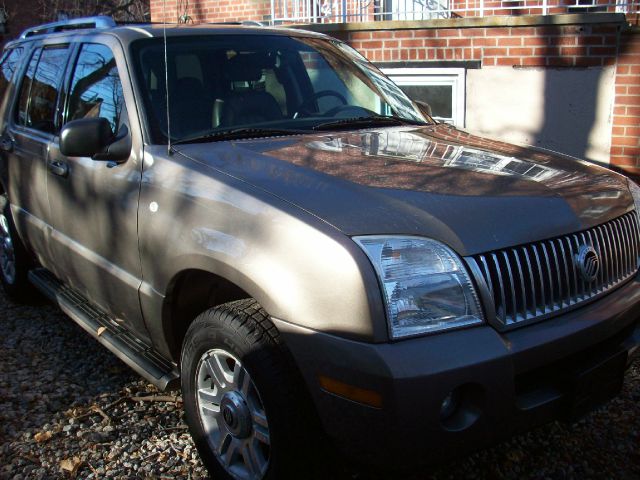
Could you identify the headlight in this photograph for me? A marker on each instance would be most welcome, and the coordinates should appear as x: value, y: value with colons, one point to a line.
x: 635, y: 193
x: 425, y: 286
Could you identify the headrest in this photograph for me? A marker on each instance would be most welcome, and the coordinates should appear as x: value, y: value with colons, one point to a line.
x: 248, y: 67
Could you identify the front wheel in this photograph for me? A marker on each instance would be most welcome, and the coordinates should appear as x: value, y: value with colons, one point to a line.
x: 243, y: 398
x: 14, y: 259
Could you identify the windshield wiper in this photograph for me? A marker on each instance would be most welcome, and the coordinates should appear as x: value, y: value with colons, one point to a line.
x: 366, y: 121
x: 238, y: 133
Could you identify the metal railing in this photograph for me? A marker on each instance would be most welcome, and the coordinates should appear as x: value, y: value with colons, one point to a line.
x: 342, y: 11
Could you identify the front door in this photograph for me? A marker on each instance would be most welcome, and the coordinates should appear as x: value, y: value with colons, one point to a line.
x: 94, y: 204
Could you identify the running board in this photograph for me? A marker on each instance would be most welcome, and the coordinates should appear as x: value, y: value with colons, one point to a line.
x: 116, y: 337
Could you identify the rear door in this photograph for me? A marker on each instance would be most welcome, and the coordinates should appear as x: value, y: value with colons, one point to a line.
x: 33, y: 124
x: 94, y: 204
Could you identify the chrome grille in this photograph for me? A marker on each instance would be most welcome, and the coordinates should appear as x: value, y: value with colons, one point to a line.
x: 534, y: 281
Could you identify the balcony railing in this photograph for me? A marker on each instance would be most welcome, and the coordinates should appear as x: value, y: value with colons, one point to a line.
x: 341, y: 11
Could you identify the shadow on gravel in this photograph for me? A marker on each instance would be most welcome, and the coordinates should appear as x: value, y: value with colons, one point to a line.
x: 70, y: 409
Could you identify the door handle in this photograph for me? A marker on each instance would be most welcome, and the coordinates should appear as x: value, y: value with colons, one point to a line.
x: 6, y: 144
x: 59, y: 168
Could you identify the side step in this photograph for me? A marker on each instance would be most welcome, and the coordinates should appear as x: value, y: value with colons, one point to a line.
x: 117, y: 338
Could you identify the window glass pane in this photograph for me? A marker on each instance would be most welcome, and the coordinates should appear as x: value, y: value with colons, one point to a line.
x: 44, y: 90
x: 439, y: 97
x: 25, y: 88
x: 9, y: 65
x: 96, y: 90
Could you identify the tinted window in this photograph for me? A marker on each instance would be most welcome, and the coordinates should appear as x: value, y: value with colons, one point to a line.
x: 10, y: 63
x: 25, y: 88
x: 43, y: 89
x: 96, y: 90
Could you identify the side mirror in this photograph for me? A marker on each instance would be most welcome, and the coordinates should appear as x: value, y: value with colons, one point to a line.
x: 92, y: 137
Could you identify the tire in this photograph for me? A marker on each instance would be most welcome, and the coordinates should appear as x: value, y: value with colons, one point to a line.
x: 14, y: 260
x: 246, y: 406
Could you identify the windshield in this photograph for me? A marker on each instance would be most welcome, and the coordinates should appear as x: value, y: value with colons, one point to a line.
x: 260, y: 82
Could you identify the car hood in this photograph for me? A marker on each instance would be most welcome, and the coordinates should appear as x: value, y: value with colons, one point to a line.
x: 437, y: 181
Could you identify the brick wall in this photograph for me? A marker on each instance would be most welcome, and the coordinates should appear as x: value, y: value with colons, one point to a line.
x: 625, y: 135
x: 552, y: 46
x: 212, y: 10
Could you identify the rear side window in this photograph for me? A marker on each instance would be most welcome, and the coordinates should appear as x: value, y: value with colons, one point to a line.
x: 10, y: 63
x: 96, y: 90
x: 40, y: 88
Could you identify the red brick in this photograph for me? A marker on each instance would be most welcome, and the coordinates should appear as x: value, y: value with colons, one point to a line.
x: 633, y: 132
x: 360, y: 35
x: 505, y: 61
x: 632, y: 121
x: 371, y: 44
x: 562, y: 40
x: 510, y: 42
x: 610, y: 51
x: 568, y: 51
x: 627, y: 100
x: 624, y: 141
x: 403, y: 34
x: 448, y: 33
x: 623, y: 160
x: 413, y: 42
x: 521, y: 52
x: 495, y: 52
x: 559, y: 61
x: 534, y: 61
x: 535, y: 41
x: 459, y: 42
x: 484, y: 42
x: 473, y: 32
x: 591, y: 40
x: 628, y: 80
x: 634, y: 151
x: 381, y: 34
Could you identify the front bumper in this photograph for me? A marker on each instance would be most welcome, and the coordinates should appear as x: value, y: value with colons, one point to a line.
x: 508, y: 382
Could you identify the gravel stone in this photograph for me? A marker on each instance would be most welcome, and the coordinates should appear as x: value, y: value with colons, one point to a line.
x: 55, y: 378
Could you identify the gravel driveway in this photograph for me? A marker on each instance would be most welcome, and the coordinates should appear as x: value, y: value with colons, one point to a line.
x: 69, y: 408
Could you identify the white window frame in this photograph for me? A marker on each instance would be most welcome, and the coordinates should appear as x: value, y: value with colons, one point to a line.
x: 454, y: 77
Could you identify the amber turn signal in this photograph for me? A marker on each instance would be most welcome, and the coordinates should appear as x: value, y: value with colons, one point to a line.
x: 351, y: 392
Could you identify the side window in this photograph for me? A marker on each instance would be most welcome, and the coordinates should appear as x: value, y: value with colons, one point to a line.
x: 39, y: 90
x: 10, y: 63
x: 96, y: 90
x: 25, y: 88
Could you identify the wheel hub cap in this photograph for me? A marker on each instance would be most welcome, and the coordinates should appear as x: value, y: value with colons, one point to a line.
x: 236, y: 414
x: 232, y: 415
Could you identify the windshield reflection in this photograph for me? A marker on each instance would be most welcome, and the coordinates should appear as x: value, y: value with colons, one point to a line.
x: 224, y: 83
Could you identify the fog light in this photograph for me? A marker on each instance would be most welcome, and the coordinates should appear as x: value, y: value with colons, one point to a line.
x: 449, y: 404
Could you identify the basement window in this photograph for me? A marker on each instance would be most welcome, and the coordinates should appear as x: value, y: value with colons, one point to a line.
x: 442, y: 88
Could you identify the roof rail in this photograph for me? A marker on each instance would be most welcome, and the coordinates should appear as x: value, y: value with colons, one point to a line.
x: 100, y: 21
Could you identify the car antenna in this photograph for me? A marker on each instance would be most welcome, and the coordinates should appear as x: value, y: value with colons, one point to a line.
x: 166, y: 73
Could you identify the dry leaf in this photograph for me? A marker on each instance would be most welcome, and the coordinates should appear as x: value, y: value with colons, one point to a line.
x: 101, y: 330
x: 42, y: 436
x: 70, y: 465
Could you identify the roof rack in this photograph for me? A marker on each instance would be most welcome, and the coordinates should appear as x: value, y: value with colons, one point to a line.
x: 100, y: 21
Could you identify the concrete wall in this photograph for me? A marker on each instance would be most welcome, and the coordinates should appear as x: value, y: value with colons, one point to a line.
x: 567, y: 110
